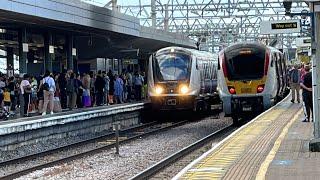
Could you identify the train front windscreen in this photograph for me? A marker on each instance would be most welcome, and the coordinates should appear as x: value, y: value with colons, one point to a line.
x: 245, y: 64
x: 172, y: 66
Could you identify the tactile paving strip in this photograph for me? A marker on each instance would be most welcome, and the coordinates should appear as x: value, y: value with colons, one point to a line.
x: 241, y: 156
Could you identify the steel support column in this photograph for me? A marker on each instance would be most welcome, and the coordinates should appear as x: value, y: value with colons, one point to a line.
x: 10, y: 61
x: 23, y: 52
x: 315, y: 143
x: 70, y: 63
x: 153, y: 13
x: 48, y: 51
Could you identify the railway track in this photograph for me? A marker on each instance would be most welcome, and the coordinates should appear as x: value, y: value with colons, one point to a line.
x: 180, y: 159
x: 126, y: 135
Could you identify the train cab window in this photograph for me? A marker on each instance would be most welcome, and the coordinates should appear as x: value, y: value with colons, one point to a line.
x: 246, y: 63
x: 172, y: 67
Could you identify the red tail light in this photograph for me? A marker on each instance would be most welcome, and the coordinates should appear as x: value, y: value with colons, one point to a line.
x: 223, y: 64
x: 260, y: 88
x: 267, y: 60
x: 232, y: 90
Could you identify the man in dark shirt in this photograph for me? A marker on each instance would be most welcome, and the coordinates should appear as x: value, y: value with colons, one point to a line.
x: 99, y: 87
x: 306, y: 85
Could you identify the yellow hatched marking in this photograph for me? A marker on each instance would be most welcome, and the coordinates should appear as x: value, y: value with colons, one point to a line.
x: 265, y: 165
x: 249, y: 87
x: 231, y: 150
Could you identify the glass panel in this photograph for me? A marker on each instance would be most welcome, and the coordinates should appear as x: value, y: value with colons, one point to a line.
x: 245, y: 64
x: 172, y: 67
x: 3, y: 61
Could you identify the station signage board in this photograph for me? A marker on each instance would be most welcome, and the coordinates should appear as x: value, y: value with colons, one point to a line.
x: 74, y: 51
x: 25, y: 47
x: 303, y: 42
x: 280, y: 27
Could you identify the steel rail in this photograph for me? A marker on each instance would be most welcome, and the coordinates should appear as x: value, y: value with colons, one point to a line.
x: 149, y: 172
x: 83, y: 154
x: 71, y: 145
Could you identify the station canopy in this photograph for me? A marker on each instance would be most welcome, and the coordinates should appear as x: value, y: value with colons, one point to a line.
x: 215, y: 23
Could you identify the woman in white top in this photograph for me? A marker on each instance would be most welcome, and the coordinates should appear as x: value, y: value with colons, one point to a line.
x: 49, y: 87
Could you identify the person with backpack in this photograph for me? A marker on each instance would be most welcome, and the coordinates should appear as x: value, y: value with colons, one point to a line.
x: 295, y: 83
x: 49, y: 87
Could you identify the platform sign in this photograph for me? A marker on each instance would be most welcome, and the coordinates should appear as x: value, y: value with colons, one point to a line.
x: 280, y: 27
x: 303, y: 42
x: 51, y: 49
x: 25, y: 47
x: 74, y: 52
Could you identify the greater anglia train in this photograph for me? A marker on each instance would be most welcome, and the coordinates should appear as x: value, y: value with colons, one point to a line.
x: 251, y: 78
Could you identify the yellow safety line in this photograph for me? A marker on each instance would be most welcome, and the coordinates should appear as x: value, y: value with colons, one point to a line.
x: 265, y: 165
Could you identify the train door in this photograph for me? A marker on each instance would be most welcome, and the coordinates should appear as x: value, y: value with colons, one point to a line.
x: 200, y: 64
x: 285, y: 72
x: 208, y: 77
x: 214, y: 76
x: 275, y: 59
x: 280, y: 73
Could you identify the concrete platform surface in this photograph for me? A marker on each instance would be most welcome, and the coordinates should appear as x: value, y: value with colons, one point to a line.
x: 293, y: 159
x: 275, y: 145
x: 36, y: 122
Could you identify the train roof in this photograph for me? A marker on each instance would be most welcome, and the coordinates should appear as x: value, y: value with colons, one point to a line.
x: 190, y: 51
x: 249, y: 44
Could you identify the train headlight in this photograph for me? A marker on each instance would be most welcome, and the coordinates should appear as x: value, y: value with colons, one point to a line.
x: 232, y: 90
x: 159, y: 90
x: 260, y: 88
x: 184, y: 89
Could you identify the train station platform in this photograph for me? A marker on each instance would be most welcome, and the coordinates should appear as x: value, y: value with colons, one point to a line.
x: 275, y: 145
x: 21, y: 131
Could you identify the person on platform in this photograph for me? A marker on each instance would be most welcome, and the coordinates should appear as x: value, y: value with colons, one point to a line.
x: 118, y: 89
x: 106, y: 88
x: 25, y: 88
x: 12, y: 88
x: 49, y: 87
x: 71, y: 91
x: 138, y: 83
x: 111, y: 86
x: 306, y: 85
x: 6, y: 99
x: 294, y: 83
x: 129, y: 86
x: 99, y: 87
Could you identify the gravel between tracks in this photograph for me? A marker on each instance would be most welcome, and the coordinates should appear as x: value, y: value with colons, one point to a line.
x: 134, y: 156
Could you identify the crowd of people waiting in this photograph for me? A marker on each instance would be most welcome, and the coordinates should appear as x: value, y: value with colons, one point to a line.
x: 53, y: 92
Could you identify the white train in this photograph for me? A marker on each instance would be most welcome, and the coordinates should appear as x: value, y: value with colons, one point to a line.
x: 251, y: 78
x: 180, y: 78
